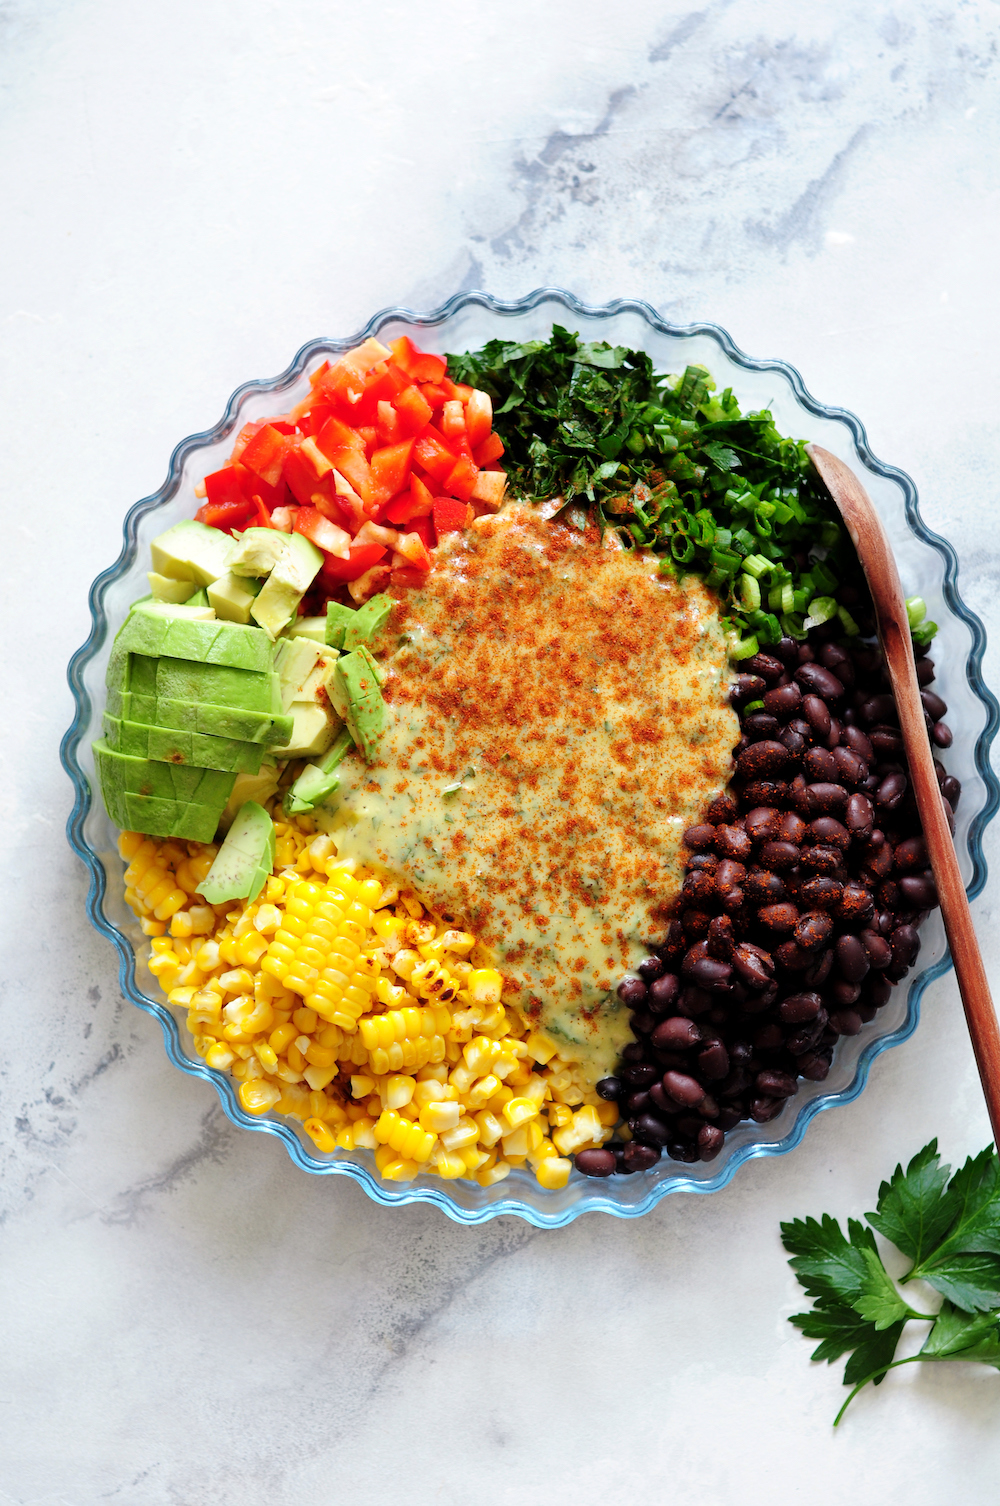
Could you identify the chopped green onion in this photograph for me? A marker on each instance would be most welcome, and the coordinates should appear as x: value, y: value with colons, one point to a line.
x: 825, y: 581
x: 749, y: 593
x: 792, y: 624
x: 821, y: 609
x: 742, y: 648
x: 916, y: 610
x: 754, y: 706
x: 924, y: 632
x: 851, y: 627
x: 756, y: 565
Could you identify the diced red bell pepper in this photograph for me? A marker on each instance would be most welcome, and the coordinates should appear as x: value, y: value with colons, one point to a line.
x: 282, y: 425
x: 419, y: 365
x: 458, y: 389
x: 313, y: 420
x: 453, y: 420
x: 265, y: 454
x: 355, y: 469
x: 491, y: 449
x: 462, y: 480
x: 324, y: 499
x: 226, y: 515
x: 418, y: 502
x: 336, y: 571
x: 225, y: 486
x: 414, y: 410
x: 310, y: 522
x: 425, y: 531
x: 368, y: 434
x: 451, y: 515
x: 433, y: 455
x: 300, y: 474
x: 391, y: 469
x: 381, y: 385
x: 336, y: 435
x: 435, y: 393
x: 244, y: 437
x: 390, y: 430
x: 413, y: 549
x: 478, y: 417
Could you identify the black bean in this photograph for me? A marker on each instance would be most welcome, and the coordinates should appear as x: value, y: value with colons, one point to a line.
x: 846, y: 1022
x: 878, y: 990
x: 890, y: 792
x: 762, y: 823
x: 850, y: 766
x: 639, y: 1157
x: 859, y: 816
x: 819, y: 682
x: 763, y: 665
x: 665, y: 1105
x: 642, y: 1023
x: 827, y: 799
x: 650, y: 968
x: 878, y: 708
x: 877, y: 949
x: 813, y: 1068
x: 699, y: 837
x: 709, y: 973
x: 791, y: 828
x: 817, y: 715
x: 721, y: 810
x: 856, y: 906
x: 855, y: 739
x: 698, y: 889
x: 595, y: 1163
x: 941, y: 735
x: 713, y: 1061
x: 772, y: 1084
x: 676, y: 1034
x: 852, y: 959
x: 910, y: 855
x: 792, y: 957
x: 763, y: 1110
x: 905, y: 944
x: 779, y: 855
x: 819, y: 764
x: 761, y: 759
x: 753, y: 965
x: 886, y: 742
x: 933, y: 705
x: 784, y: 701
x: 797, y: 1009
x: 632, y: 991
x: 732, y: 841
x: 760, y: 725
x: 813, y: 930
x: 683, y: 1088
x: 793, y: 742
x: 650, y: 1129
x: 638, y: 1075
x: 609, y: 1087
x: 710, y: 1141
x: 833, y: 736
x: 720, y: 938
x: 729, y: 875
x: 826, y: 832
x: 663, y: 992
x: 681, y: 1152
x: 820, y: 859
x: 636, y: 1104
x: 633, y: 1053
x: 747, y: 688
x: 819, y: 969
x: 821, y: 893
x: 765, y: 792
x: 919, y: 891
x: 951, y: 789
x: 763, y: 888
x: 842, y: 994
x: 781, y: 918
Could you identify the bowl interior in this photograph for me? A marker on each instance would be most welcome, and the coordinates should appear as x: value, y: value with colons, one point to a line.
x: 928, y: 568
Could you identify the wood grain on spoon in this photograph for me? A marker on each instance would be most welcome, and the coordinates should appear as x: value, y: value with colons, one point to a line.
x: 875, y: 553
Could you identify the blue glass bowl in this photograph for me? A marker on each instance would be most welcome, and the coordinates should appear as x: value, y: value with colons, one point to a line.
x: 927, y: 564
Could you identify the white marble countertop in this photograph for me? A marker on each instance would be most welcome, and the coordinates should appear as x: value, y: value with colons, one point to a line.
x: 190, y: 192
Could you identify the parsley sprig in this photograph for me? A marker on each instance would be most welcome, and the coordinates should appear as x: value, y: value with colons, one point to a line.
x: 949, y: 1228
x: 670, y: 466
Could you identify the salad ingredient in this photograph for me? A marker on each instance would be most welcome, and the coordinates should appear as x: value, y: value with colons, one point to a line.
x: 675, y: 469
x: 257, y: 551
x: 356, y: 687
x: 334, y: 1001
x: 801, y: 906
x: 558, y: 720
x: 190, y: 551
x: 289, y: 580
x: 243, y: 863
x: 318, y: 780
x: 162, y: 630
x: 166, y: 798
x: 347, y: 629
x: 232, y: 596
x: 949, y: 1227
x: 162, y: 588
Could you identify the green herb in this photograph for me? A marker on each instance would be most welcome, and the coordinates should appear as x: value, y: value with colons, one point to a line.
x: 674, y: 468
x: 950, y: 1231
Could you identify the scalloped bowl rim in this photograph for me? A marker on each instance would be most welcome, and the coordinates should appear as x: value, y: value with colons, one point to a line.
x: 594, y: 1199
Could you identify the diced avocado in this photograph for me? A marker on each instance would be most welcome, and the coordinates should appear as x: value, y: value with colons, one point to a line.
x: 367, y: 621
x: 257, y: 551
x: 286, y: 585
x: 166, y: 781
x: 259, y: 787
x: 244, y: 861
x: 357, y: 688
x: 337, y: 618
x: 308, y: 627
x: 232, y: 596
x: 373, y: 663
x: 161, y: 630
x: 165, y: 589
x: 170, y: 818
x: 169, y: 745
x: 294, y: 659
x: 200, y: 599
x: 217, y: 684
x: 191, y: 551
x: 317, y: 781
x: 140, y: 675
x: 266, y: 728
x: 313, y: 730
x: 195, y: 609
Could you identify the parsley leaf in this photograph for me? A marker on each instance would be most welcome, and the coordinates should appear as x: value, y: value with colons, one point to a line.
x: 950, y: 1229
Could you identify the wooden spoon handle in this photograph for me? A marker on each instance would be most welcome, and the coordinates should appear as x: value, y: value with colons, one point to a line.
x: 879, y: 564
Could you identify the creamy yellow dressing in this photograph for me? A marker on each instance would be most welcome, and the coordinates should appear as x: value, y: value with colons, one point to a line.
x: 557, y: 719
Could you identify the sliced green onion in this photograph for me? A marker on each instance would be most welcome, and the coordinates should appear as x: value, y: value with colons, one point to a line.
x: 754, y: 706
x: 825, y: 580
x: 821, y: 609
x: 756, y: 565
x: 749, y: 593
x: 916, y: 609
x: 742, y: 648
x: 851, y: 627
x: 924, y: 632
x: 792, y: 625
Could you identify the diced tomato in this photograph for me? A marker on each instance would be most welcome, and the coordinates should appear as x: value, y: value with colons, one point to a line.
x: 419, y: 365
x: 462, y: 479
x: 414, y: 410
x: 390, y: 430
x: 391, y: 469
x: 226, y: 515
x: 425, y: 531
x: 336, y: 435
x: 478, y: 417
x: 451, y: 515
x: 321, y: 532
x: 453, y: 420
x: 363, y: 556
x: 433, y: 455
x: 491, y: 449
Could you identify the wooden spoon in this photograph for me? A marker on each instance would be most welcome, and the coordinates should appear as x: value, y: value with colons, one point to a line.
x: 875, y: 553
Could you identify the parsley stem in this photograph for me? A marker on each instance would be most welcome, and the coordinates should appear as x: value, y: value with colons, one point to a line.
x: 883, y: 1370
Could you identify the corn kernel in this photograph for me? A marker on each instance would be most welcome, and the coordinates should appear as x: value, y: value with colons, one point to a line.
x: 257, y: 1096
x: 553, y: 1173
x: 440, y: 1117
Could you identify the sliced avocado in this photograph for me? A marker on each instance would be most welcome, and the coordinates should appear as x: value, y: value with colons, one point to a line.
x: 317, y: 781
x: 232, y: 596
x: 170, y: 818
x: 357, y: 689
x: 257, y: 551
x: 266, y: 728
x: 337, y: 619
x: 216, y: 684
x: 367, y: 621
x: 169, y: 745
x: 140, y: 675
x: 308, y: 627
x: 286, y: 585
x: 245, y: 859
x: 191, y: 551
x: 313, y: 730
x: 166, y: 781
x: 373, y: 663
x: 165, y: 589
x: 162, y: 630
x: 259, y: 787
